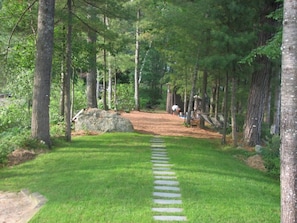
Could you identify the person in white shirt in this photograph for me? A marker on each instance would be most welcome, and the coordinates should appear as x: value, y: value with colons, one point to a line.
x: 175, y: 109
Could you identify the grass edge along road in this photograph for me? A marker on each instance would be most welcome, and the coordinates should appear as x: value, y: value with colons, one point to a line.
x: 108, y: 178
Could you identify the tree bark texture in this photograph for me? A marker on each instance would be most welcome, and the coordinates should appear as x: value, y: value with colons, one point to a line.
x: 289, y: 115
x: 92, y: 74
x: 136, y: 72
x: 277, y: 104
x: 67, y: 81
x: 203, y: 99
x: 260, y: 79
x: 234, y: 111
x: 256, y: 103
x: 40, y: 128
x: 225, y: 110
x: 190, y: 105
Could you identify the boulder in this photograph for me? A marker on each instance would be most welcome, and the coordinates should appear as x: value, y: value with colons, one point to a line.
x: 102, y: 121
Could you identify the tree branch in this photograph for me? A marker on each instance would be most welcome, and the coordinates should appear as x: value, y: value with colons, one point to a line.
x: 19, y: 20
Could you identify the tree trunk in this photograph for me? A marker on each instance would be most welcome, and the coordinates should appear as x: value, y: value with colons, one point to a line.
x: 169, y: 99
x: 104, y: 80
x: 213, y: 99
x: 289, y: 115
x: 217, y: 99
x: 203, y: 98
x: 92, y: 74
x: 40, y: 128
x: 277, y: 104
x: 224, y: 141
x: 191, y: 98
x: 267, y: 110
x: 62, y: 92
x: 109, y: 82
x: 256, y: 104
x: 68, y: 73
x: 136, y: 73
x: 234, y: 111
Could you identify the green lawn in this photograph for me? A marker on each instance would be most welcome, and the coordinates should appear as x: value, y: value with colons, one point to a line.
x: 108, y: 178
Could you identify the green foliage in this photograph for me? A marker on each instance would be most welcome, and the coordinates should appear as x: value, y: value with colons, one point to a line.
x: 14, y: 114
x: 271, y: 156
x: 125, y: 97
x: 17, y: 138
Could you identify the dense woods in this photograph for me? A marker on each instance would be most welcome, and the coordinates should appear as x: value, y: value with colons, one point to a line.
x: 124, y: 55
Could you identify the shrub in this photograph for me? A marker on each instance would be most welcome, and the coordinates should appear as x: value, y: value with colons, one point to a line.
x: 125, y: 97
x: 14, y: 114
x: 271, y: 156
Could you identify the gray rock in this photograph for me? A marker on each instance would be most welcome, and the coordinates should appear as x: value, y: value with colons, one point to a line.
x: 258, y: 149
x: 102, y: 121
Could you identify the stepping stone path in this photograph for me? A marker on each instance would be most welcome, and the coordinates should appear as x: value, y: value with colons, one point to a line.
x: 167, y: 196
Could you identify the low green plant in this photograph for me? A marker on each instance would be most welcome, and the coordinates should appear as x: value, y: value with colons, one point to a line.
x: 271, y: 156
x: 125, y: 97
x: 14, y: 114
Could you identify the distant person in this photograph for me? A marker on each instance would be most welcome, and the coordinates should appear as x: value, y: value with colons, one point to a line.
x: 175, y: 109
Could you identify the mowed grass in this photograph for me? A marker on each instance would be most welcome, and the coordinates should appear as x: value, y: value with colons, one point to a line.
x: 217, y: 187
x: 108, y: 178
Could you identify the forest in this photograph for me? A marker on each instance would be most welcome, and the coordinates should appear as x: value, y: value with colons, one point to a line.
x: 127, y: 55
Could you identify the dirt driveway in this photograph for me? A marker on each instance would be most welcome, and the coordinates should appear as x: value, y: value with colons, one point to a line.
x: 165, y: 124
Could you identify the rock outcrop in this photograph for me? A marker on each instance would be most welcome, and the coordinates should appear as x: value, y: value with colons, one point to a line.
x: 102, y: 121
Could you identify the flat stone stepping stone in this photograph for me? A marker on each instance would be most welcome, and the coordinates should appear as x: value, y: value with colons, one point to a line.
x: 158, y: 145
x: 160, y: 154
x: 159, y: 150
x: 168, y: 210
x: 159, y: 158
x: 161, y: 168
x: 170, y: 218
x: 160, y: 161
x: 163, y: 173
x: 164, y: 165
x: 166, y: 201
x: 166, y: 188
x: 167, y: 195
x: 157, y: 142
x: 166, y: 182
x: 165, y: 177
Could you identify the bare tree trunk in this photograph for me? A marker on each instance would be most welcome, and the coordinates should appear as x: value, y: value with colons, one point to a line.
x: 289, y: 115
x: 190, y: 105
x: 277, y: 105
x: 256, y: 104
x: 203, y: 98
x: 136, y: 73
x: 217, y: 99
x: 92, y: 74
x: 233, y: 111
x: 62, y: 92
x: 213, y: 99
x: 224, y: 141
x: 68, y: 73
x: 104, y: 80
x: 169, y: 99
x: 109, y: 82
x: 40, y: 128
x: 267, y: 112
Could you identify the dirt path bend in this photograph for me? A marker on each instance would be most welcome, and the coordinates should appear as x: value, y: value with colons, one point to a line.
x: 165, y: 124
